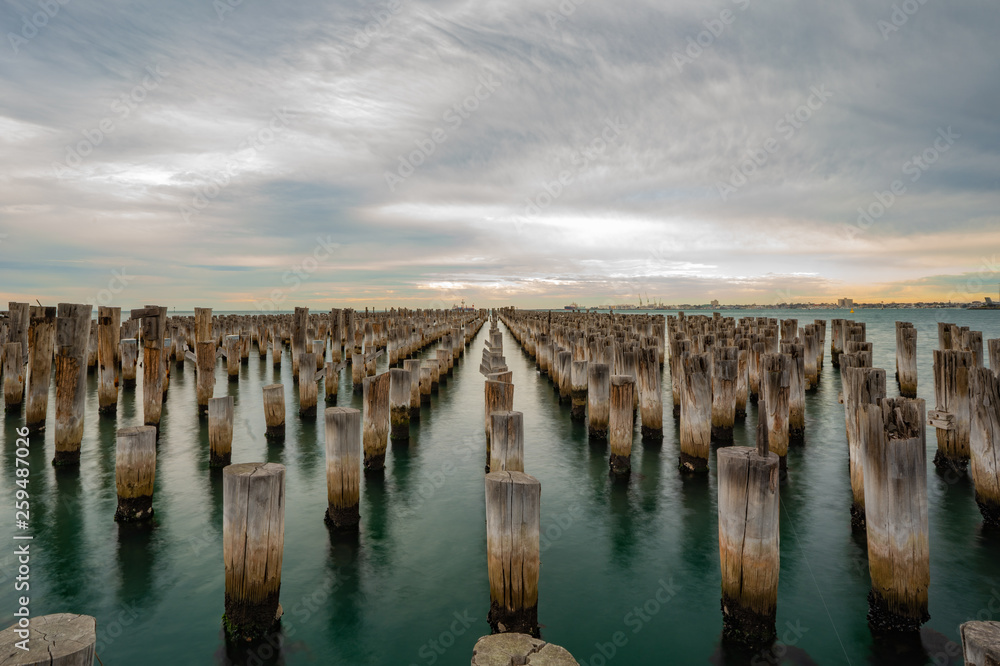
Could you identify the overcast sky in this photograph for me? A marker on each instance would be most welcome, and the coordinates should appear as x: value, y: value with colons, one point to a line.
x: 253, y: 154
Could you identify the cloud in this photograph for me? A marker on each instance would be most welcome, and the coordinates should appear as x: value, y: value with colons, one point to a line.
x: 522, y: 192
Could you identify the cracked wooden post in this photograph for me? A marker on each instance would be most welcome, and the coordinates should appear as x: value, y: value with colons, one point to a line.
x: 578, y: 390
x: 724, y: 369
x: 513, y: 520
x: 742, y: 380
x: 862, y: 386
x: 748, y: 539
x: 621, y: 424
x: 108, y: 358
x: 41, y: 333
x: 233, y: 357
x: 984, y: 436
x: 205, y: 371
x: 774, y: 382
x: 499, y: 398
x: 696, y: 413
x: 331, y: 383
x: 221, y: 412
x: 357, y: 371
x: 130, y: 362
x: 796, y: 391
x: 412, y: 366
x: 994, y: 350
x: 336, y: 335
x: 13, y: 377
x: 837, y: 332
x: 18, y: 326
x: 399, y: 404
x: 92, y: 345
x: 274, y: 411
x: 896, y: 515
x: 952, y: 407
x: 300, y: 322
x: 343, y: 467
x: 275, y: 349
x: 60, y: 639
x: 72, y: 337
x: 308, y: 391
x: 598, y: 400
x: 135, y: 473
x: 906, y: 359
x: 376, y: 420
x: 980, y: 642
x: 650, y: 395
x: 810, y: 353
x: 253, y: 543
x: 426, y: 384
x: 506, y: 442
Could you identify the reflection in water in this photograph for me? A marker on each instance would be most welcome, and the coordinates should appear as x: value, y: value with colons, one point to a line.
x: 915, y: 649
x: 66, y: 537
x: 700, y: 536
x: 649, y: 477
x: 786, y: 654
x: 136, y: 565
x: 374, y: 518
x: 623, y: 528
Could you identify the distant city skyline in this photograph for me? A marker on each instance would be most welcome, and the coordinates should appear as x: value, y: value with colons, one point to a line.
x: 255, y: 156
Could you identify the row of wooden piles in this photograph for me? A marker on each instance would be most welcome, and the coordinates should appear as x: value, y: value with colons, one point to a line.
x: 608, y: 366
x: 253, y: 534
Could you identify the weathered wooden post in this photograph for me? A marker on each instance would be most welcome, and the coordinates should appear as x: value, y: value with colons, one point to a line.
x: 412, y: 366
x: 233, y: 357
x: 13, y: 376
x: 426, y: 384
x: 221, y: 412
x: 72, y: 337
x: 343, y: 467
x: 399, y: 404
x: 300, y: 324
x: 135, y: 472
x: 861, y: 386
x: 994, y: 350
x: 837, y: 331
x: 253, y: 543
x: 906, y: 359
x: 274, y: 411
x: 742, y: 381
x: 620, y: 424
x: 331, y: 384
x: 952, y: 409
x: 108, y: 358
x: 650, y: 398
x: 696, y: 413
x: 724, y: 369
x: 499, y: 398
x: 578, y: 390
x: 513, y: 523
x: 40, y: 337
x: 308, y: 391
x: 774, y: 381
x: 896, y: 515
x: 275, y: 350
x: 130, y: 361
x: 980, y: 642
x: 357, y: 371
x: 60, y: 639
x: 598, y: 399
x: 796, y: 391
x: 984, y: 438
x: 205, y: 371
x: 506, y: 442
x: 376, y: 420
x: 748, y: 538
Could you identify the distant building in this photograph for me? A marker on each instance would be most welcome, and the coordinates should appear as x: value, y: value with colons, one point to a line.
x: 715, y: 304
x: 845, y: 303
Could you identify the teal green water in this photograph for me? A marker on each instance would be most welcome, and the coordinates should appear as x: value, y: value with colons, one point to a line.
x: 411, y: 588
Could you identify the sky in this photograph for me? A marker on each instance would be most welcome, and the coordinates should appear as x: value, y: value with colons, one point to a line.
x: 243, y: 154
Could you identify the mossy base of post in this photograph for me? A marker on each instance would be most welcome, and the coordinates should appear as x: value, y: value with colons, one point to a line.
x: 652, y: 435
x: 746, y: 627
x: 523, y: 621
x: 882, y: 620
x: 858, y: 523
x: 689, y: 464
x: 375, y: 463
x: 246, y: 622
x: 134, y: 509
x: 217, y: 460
x: 946, y: 462
x: 66, y: 458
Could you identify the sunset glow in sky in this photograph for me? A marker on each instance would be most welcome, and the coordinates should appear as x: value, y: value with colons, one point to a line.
x: 253, y: 154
